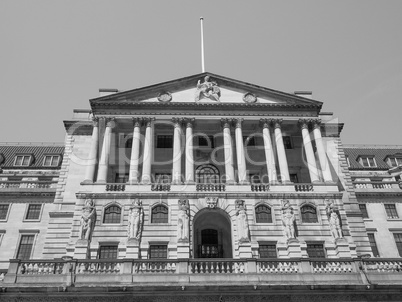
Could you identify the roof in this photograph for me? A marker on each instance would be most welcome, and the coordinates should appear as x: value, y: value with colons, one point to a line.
x: 8, y: 151
x: 380, y: 153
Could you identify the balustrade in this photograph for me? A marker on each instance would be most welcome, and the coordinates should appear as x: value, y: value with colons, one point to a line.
x: 328, y: 266
x: 275, y: 267
x: 155, y: 266
x: 211, y: 187
x: 160, y: 187
x: 383, y: 265
x: 304, y: 188
x: 259, y: 187
x: 40, y: 267
x: 28, y: 184
x: 218, y: 266
x: 115, y: 187
x: 98, y: 267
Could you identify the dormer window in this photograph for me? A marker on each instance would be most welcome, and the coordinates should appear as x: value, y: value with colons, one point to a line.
x: 367, y: 161
x: 394, y: 161
x: 51, y: 160
x: 23, y: 160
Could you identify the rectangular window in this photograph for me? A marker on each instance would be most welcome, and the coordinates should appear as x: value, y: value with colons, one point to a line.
x: 164, y: 141
x: 267, y: 251
x: 33, y: 211
x: 363, y: 209
x: 51, y: 160
x: 373, y: 245
x: 107, y: 252
x: 4, y: 211
x: 315, y: 250
x: 390, y: 209
x: 25, y: 247
x: 22, y: 160
x: 163, y: 178
x: 394, y: 161
x: 206, y: 141
x: 287, y: 142
x: 158, y: 251
x: 368, y: 161
x: 398, y: 241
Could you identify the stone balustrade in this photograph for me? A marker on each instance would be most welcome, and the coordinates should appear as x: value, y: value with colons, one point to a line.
x: 150, y: 271
x: 259, y: 188
x: 376, y: 185
x: 304, y: 187
x: 160, y: 187
x: 116, y: 187
x: 28, y: 184
x: 210, y: 187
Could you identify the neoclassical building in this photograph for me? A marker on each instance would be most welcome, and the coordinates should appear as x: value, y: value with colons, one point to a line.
x: 204, y: 188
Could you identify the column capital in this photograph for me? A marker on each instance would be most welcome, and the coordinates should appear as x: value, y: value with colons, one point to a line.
x: 137, y: 121
x: 276, y: 122
x: 225, y: 122
x: 316, y: 123
x: 303, y: 123
x: 148, y: 121
x: 189, y: 121
x: 265, y: 123
x: 110, y: 122
x: 95, y: 121
x: 237, y: 122
x: 177, y: 121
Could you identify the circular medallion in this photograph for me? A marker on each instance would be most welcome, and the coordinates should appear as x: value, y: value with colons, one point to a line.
x: 249, y: 98
x: 164, y: 97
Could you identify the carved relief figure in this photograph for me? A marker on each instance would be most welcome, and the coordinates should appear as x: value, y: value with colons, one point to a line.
x: 288, y: 220
x: 135, y: 219
x: 242, y: 223
x: 207, y: 89
x: 88, y: 219
x: 334, y: 219
x: 211, y: 202
x: 183, y: 221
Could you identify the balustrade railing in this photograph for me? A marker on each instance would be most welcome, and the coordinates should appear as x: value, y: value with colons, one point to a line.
x: 259, y: 187
x: 116, y: 187
x: 375, y: 185
x: 45, y: 267
x: 217, y: 266
x: 98, y: 267
x: 28, y: 184
x: 160, y: 187
x: 277, y: 266
x: 329, y: 266
x: 304, y: 187
x: 383, y: 265
x: 211, y: 187
x: 155, y: 266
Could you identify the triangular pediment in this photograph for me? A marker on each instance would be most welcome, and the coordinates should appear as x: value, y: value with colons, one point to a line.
x: 215, y: 90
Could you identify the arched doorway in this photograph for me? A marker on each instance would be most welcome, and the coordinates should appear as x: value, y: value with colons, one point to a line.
x: 212, y: 234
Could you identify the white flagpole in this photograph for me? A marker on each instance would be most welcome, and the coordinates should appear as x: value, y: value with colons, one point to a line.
x: 202, y: 46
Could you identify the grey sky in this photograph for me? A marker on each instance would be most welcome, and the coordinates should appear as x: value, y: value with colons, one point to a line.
x: 55, y: 55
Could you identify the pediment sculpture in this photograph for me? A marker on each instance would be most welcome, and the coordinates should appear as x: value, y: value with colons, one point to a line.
x: 207, y: 90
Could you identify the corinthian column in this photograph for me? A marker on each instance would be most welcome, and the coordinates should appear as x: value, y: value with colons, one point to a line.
x: 93, y: 152
x: 308, y: 148
x: 176, y: 171
x: 269, y: 152
x: 227, y: 148
x: 135, y: 151
x: 322, y: 156
x: 148, y: 150
x: 280, y: 148
x: 241, y: 160
x: 189, y: 151
x: 104, y: 159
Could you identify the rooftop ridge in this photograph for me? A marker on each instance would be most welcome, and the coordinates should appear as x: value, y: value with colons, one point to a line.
x: 364, y: 146
x: 59, y: 144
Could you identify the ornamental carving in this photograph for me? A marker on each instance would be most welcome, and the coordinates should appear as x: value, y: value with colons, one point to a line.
x: 211, y: 202
x: 207, y: 90
x: 135, y: 220
x: 249, y: 98
x: 288, y: 220
x: 88, y: 219
x: 183, y: 221
x: 242, y: 223
x: 164, y: 97
x: 334, y: 219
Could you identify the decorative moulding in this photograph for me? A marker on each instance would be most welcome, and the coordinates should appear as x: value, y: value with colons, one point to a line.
x: 164, y: 97
x: 250, y: 98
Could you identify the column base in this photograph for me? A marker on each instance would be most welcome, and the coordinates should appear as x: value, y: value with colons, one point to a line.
x: 87, y: 181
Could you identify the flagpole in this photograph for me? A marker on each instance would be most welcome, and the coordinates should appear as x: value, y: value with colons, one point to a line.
x: 202, y: 45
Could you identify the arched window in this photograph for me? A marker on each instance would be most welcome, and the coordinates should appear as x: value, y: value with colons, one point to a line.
x: 159, y: 214
x: 263, y: 214
x: 207, y: 174
x: 112, y: 214
x: 309, y: 214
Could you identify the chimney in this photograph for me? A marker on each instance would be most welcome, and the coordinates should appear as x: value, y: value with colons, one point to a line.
x: 105, y: 91
x: 304, y: 94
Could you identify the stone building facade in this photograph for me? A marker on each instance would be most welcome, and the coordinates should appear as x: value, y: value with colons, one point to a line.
x: 206, y: 182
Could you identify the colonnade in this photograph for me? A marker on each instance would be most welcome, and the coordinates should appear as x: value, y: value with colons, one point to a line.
x: 268, y: 126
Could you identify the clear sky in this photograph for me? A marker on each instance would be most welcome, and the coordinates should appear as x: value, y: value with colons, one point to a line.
x: 55, y: 55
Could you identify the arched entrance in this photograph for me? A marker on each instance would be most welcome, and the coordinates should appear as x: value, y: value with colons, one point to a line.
x: 212, y: 234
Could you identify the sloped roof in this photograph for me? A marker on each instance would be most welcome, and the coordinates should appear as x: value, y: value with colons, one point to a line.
x: 8, y: 151
x: 380, y: 153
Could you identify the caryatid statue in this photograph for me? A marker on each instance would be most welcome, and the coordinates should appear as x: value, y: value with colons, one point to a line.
x: 135, y: 219
x: 183, y: 221
x: 88, y: 219
x: 288, y: 220
x: 334, y: 219
x: 207, y: 89
x: 242, y: 223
